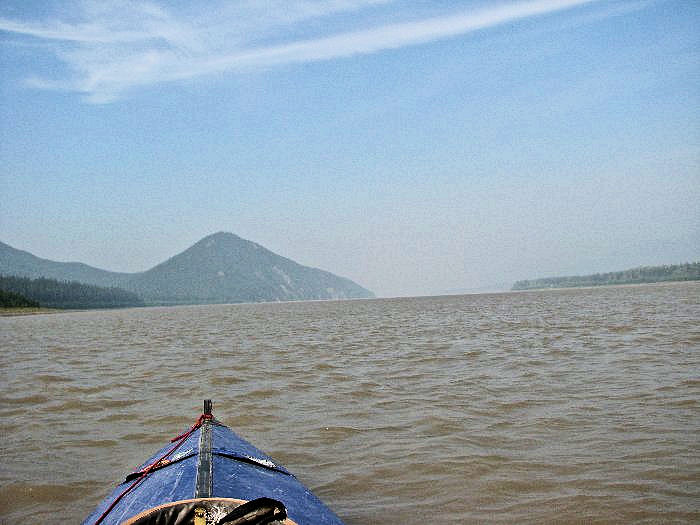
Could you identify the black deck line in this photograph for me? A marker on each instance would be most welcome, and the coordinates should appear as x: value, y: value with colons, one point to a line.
x: 251, y: 461
x: 203, y: 487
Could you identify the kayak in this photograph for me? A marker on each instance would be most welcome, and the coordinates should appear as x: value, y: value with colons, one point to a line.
x: 208, y: 475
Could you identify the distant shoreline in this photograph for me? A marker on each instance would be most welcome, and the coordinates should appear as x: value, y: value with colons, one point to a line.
x: 28, y: 311
x: 593, y: 286
x: 16, y: 311
x: 642, y: 275
x: 599, y: 286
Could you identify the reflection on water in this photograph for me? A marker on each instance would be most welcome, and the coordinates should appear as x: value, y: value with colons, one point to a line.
x: 572, y: 405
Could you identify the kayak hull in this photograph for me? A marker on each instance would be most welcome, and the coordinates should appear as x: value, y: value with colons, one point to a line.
x: 210, y: 463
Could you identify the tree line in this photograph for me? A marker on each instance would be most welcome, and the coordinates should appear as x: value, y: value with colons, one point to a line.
x: 644, y: 274
x: 15, y: 300
x: 51, y: 293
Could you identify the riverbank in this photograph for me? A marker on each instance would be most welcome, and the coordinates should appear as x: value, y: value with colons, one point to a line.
x: 6, y: 311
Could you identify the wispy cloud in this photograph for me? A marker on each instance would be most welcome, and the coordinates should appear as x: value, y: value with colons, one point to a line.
x: 115, y: 48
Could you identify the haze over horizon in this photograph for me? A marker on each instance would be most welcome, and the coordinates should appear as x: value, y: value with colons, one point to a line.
x: 415, y: 148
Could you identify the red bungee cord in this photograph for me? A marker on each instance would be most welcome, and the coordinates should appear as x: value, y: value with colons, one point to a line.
x: 148, y: 469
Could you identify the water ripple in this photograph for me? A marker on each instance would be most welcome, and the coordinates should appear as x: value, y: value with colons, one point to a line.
x: 555, y: 407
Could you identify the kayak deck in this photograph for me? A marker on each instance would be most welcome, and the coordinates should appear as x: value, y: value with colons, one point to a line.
x: 208, y: 463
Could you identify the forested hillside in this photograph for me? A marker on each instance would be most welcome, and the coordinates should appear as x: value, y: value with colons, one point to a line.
x: 644, y: 274
x: 15, y: 300
x: 51, y: 293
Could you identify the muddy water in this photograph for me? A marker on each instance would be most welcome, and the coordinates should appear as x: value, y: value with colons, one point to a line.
x: 557, y: 406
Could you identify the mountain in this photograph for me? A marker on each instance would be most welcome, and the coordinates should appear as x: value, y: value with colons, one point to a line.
x: 24, y: 264
x: 221, y: 268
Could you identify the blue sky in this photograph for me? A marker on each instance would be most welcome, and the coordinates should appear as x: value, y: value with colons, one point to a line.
x: 415, y: 147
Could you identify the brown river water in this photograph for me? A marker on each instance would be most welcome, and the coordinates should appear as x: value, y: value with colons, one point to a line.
x: 562, y: 406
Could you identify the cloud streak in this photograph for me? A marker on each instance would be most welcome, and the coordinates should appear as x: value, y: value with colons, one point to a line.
x: 118, y: 48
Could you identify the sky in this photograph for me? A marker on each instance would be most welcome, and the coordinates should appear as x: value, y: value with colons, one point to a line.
x: 418, y: 148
